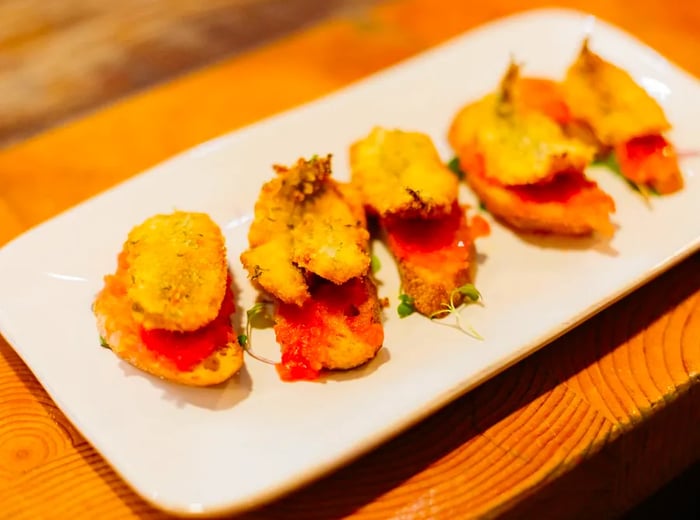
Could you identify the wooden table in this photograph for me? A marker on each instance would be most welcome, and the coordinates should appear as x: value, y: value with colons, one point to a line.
x: 587, y: 427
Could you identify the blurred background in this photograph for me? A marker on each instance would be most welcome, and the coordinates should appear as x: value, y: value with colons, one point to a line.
x: 61, y: 59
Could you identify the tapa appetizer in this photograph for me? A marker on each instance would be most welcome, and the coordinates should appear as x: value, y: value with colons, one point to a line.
x: 309, y: 253
x: 518, y: 160
x: 623, y: 118
x: 167, y: 308
x: 414, y: 197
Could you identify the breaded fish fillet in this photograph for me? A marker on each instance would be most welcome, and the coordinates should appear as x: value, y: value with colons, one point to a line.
x: 623, y: 117
x: 306, y: 224
x: 177, y: 271
x: 610, y: 101
x: 518, y: 145
x: 401, y: 173
x: 414, y: 195
x: 502, y: 137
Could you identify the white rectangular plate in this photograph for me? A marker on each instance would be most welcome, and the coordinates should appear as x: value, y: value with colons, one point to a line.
x: 232, y: 447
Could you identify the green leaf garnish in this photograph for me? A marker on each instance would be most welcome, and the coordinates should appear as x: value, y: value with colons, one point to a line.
x: 405, y: 307
x: 455, y: 168
x: 610, y: 162
x: 482, y: 206
x: 469, y: 292
x: 258, y: 317
x: 374, y: 263
x: 103, y: 343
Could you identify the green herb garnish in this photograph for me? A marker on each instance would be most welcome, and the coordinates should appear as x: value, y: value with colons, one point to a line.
x: 256, y: 317
x: 610, y: 162
x: 405, y: 307
x: 103, y: 343
x: 374, y: 263
x: 470, y: 293
x: 455, y: 168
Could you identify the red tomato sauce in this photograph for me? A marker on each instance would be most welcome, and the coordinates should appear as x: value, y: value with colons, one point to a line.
x: 303, y: 332
x: 560, y: 189
x: 645, y: 158
x: 187, y: 349
x: 431, y: 242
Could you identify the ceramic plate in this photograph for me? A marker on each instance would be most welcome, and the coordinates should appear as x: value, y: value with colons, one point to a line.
x: 244, y: 443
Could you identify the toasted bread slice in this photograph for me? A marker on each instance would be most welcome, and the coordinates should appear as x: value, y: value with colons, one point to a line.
x: 177, y: 271
x: 178, y: 357
x: 401, y: 173
x: 569, y: 204
x: 305, y: 224
x: 338, y: 328
x: 434, y: 256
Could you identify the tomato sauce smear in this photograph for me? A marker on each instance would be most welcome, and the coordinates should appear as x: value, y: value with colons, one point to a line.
x: 437, y: 243
x: 650, y: 160
x: 187, y: 349
x: 334, y: 313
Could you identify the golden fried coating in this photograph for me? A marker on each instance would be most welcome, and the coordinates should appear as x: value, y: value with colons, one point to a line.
x: 401, y: 173
x: 609, y: 100
x: 518, y: 145
x: 177, y: 271
x: 305, y: 223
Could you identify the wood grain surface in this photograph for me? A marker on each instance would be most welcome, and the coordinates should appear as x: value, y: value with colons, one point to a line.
x: 587, y: 427
x: 59, y: 59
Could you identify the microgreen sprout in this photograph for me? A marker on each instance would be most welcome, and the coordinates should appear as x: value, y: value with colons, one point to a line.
x: 455, y: 167
x: 469, y: 292
x: 405, y: 307
x: 256, y: 317
x: 610, y: 162
x: 374, y: 264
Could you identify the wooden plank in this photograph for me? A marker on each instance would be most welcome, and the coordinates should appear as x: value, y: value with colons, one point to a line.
x: 62, y: 59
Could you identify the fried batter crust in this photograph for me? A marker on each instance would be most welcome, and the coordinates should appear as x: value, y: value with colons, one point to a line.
x: 609, y: 100
x: 520, y: 146
x: 177, y: 271
x: 305, y: 224
x: 401, y: 173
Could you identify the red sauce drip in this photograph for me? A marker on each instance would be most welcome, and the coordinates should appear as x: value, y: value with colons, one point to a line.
x: 303, y: 332
x: 430, y: 241
x: 560, y: 189
x: 479, y: 227
x: 645, y: 158
x: 187, y: 349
